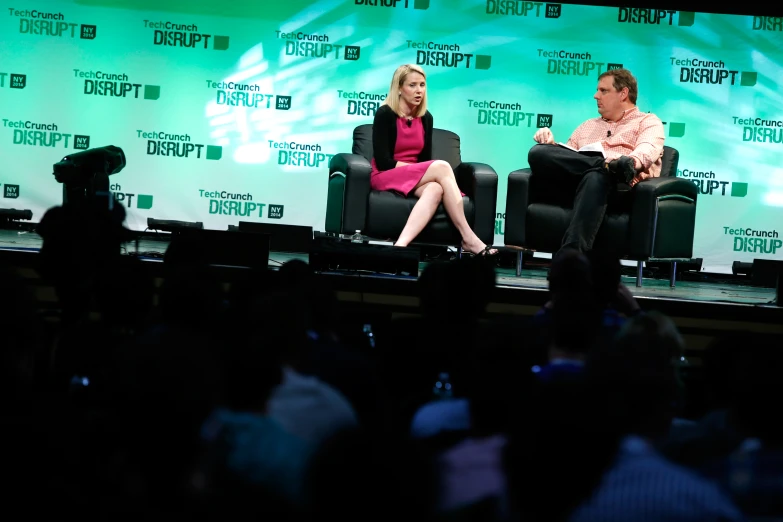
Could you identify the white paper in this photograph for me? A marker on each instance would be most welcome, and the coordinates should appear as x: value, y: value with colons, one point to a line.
x: 590, y: 148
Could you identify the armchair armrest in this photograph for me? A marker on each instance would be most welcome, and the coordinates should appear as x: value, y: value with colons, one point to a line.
x: 479, y: 182
x: 667, y: 186
x: 349, y: 187
x: 350, y: 165
x: 647, y: 197
x: 517, y: 201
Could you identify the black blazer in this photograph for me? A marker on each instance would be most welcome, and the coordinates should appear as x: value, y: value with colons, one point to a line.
x: 384, y: 137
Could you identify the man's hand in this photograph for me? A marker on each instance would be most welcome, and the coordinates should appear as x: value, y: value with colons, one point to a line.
x: 544, y: 136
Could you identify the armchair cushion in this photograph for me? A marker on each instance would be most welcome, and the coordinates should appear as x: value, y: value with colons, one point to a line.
x: 655, y: 218
x: 446, y: 147
x: 669, y: 162
x: 352, y: 205
x: 387, y: 214
x: 547, y: 224
x: 362, y: 141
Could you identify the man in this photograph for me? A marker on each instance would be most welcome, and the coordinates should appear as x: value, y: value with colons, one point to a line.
x: 632, y: 144
x: 635, y: 387
x: 570, y: 322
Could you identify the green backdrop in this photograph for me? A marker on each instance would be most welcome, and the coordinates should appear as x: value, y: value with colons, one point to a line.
x: 231, y: 111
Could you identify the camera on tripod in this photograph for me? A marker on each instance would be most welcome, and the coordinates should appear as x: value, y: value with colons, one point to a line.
x: 85, y: 174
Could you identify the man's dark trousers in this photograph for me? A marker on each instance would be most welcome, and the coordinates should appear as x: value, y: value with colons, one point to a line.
x: 563, y: 167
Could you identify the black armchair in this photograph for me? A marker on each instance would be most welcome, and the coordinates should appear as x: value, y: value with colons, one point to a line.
x: 351, y: 204
x: 654, y: 220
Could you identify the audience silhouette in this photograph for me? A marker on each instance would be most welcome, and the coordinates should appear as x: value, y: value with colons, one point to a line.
x: 253, y: 395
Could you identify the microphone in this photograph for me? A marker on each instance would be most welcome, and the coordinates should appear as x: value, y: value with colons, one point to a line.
x: 608, y: 133
x: 409, y: 122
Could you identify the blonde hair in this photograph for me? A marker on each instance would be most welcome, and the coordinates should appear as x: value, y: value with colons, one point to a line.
x: 393, y: 98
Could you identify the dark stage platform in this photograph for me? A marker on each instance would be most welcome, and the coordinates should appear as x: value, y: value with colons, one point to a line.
x: 702, y: 305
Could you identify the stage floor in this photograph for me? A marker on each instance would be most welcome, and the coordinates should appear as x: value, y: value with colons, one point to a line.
x: 713, y: 289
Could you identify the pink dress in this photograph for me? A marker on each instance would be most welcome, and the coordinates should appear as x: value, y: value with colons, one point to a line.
x: 410, y: 141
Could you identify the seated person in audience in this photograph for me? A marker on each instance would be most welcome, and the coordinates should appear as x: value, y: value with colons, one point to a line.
x: 610, y: 294
x: 753, y: 473
x: 249, y: 439
x: 453, y: 297
x: 303, y: 405
x: 635, y: 380
x: 643, y: 365
x: 632, y: 146
x: 559, y: 426
x: 570, y: 323
x: 496, y: 382
x: 402, y: 159
x: 335, y: 350
x: 716, y: 434
x: 616, y: 299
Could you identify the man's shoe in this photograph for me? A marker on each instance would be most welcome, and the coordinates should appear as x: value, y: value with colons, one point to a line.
x: 622, y: 168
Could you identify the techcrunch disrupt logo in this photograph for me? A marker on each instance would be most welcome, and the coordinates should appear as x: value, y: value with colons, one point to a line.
x: 574, y: 64
x: 226, y: 203
x: 10, y: 191
x: 299, y: 154
x: 633, y: 15
x: 676, y: 129
x: 500, y: 224
x: 523, y: 8
x: 694, y: 70
x: 50, y: 24
x: 247, y: 95
x: 768, y: 23
x: 143, y: 201
x: 760, y: 130
x: 317, y: 46
x: 447, y: 55
x: 755, y: 241
x: 708, y: 184
x: 13, y: 81
x: 177, y: 146
x: 44, y: 135
x: 184, y: 35
x: 507, y: 114
x: 416, y: 4
x: 361, y: 103
x: 98, y: 83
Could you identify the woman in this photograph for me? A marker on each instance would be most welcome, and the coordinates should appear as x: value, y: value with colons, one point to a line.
x: 402, y: 159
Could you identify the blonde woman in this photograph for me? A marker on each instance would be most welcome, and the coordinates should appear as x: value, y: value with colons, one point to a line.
x: 402, y: 160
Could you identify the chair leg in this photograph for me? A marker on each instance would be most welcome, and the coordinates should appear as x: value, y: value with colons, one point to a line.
x: 638, y: 274
x: 673, y: 277
x: 519, y: 263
